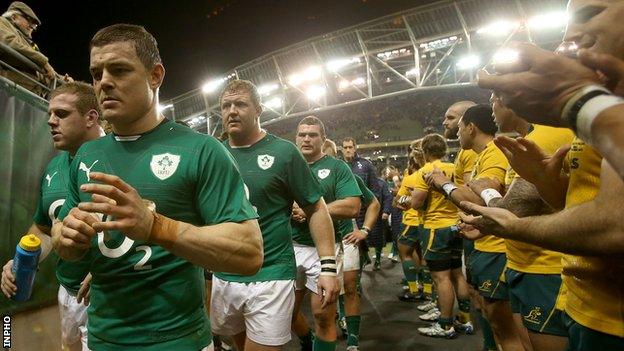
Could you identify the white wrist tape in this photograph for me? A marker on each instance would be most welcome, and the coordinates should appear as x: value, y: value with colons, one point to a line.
x: 588, y: 113
x: 448, y: 188
x: 489, y: 194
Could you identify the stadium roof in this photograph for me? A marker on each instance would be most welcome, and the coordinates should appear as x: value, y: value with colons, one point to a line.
x: 434, y: 45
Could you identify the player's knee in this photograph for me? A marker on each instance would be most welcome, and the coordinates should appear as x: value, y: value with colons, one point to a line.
x: 324, y: 320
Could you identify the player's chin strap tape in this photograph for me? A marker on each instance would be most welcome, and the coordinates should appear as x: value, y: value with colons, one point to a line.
x: 164, y: 231
x: 328, y: 266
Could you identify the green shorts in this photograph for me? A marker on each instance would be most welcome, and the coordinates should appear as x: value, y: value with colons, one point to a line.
x: 486, y: 270
x: 581, y: 338
x: 441, y: 244
x: 534, y: 296
x: 411, y: 236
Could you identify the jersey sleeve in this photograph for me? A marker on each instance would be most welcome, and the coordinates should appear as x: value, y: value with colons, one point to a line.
x: 304, y: 188
x: 73, y: 197
x: 346, y: 185
x: 222, y: 196
x: 494, y: 165
x: 407, y: 184
x: 419, y: 181
x: 41, y: 217
x: 367, y: 195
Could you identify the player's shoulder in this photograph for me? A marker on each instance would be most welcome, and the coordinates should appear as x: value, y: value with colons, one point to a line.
x: 281, y: 144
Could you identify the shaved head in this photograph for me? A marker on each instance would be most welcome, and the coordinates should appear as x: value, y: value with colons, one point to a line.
x: 452, y: 116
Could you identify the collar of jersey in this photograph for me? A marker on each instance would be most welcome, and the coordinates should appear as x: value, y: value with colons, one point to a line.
x: 137, y: 136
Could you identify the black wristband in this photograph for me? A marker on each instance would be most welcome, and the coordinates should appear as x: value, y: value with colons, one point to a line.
x: 572, y: 115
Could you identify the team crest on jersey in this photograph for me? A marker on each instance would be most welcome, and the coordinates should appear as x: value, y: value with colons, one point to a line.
x: 323, y: 173
x: 359, y: 165
x: 265, y: 161
x: 164, y: 165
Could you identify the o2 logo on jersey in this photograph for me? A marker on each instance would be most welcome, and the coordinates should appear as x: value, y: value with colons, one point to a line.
x: 323, y: 173
x: 122, y: 249
x: 164, y: 165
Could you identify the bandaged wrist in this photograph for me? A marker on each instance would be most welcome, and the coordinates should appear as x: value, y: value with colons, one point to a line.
x: 448, y: 188
x: 164, y: 231
x: 570, y: 112
x: 489, y: 194
x: 590, y: 110
x: 328, y: 266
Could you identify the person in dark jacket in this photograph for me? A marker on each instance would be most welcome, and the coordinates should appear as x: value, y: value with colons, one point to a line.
x: 376, y: 238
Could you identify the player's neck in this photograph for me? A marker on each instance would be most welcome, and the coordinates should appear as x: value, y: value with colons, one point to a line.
x: 248, y: 139
x: 481, y: 142
x: 140, y: 126
x: 313, y: 158
x: 522, y: 127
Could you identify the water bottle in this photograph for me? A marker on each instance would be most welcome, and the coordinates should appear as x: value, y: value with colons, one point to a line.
x: 25, y: 265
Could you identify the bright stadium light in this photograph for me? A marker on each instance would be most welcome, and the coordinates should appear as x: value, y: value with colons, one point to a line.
x: 343, y: 84
x: 338, y: 64
x: 212, y: 85
x: 468, y: 62
x: 161, y: 108
x: 274, y: 103
x: 498, y: 28
x: 310, y: 74
x: 505, y: 56
x: 359, y: 81
x: 314, y: 92
x: 411, y: 73
x: 266, y: 89
x: 549, y: 20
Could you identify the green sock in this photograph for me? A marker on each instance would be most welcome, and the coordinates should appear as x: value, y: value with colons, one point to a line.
x: 411, y: 274
x: 306, y: 341
x: 445, y: 323
x: 353, y: 330
x: 464, y: 310
x: 341, y: 311
x: 322, y: 345
x: 488, y: 336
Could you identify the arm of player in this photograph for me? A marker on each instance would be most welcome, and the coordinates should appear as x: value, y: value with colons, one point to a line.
x: 224, y: 247
x: 370, y: 219
x: 522, y: 197
x: 591, y: 228
x: 346, y: 208
x: 418, y: 198
x: 607, y: 132
x: 437, y: 179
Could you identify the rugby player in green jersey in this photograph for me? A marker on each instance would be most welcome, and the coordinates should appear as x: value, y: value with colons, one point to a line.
x: 74, y: 119
x: 257, y: 310
x: 342, y: 194
x: 151, y: 204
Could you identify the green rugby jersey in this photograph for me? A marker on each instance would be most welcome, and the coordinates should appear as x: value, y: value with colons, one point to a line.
x: 142, y: 296
x: 337, y: 182
x: 276, y: 174
x: 346, y: 225
x: 52, y: 195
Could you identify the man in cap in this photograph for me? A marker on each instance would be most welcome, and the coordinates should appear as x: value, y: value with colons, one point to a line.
x: 16, y: 27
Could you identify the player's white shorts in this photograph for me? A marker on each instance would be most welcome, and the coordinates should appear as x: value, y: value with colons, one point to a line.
x: 262, y: 309
x: 73, y: 319
x: 351, y: 259
x: 309, y: 266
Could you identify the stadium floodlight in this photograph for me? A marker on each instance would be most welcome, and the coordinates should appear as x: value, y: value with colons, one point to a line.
x: 359, y: 81
x: 338, y: 64
x: 314, y: 92
x: 161, y: 108
x: 274, y: 103
x: 343, y: 84
x: 411, y: 73
x: 549, y: 20
x: 468, y: 62
x: 505, y: 56
x: 266, y: 89
x: 498, y: 28
x: 309, y: 74
x: 212, y: 85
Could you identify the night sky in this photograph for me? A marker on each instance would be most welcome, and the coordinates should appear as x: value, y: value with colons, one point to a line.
x: 198, y: 40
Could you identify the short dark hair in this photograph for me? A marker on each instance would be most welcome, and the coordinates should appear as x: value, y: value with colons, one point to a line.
x: 144, y: 43
x: 87, y: 100
x: 481, y: 116
x: 313, y: 121
x: 347, y: 139
x: 434, y: 145
x: 238, y: 85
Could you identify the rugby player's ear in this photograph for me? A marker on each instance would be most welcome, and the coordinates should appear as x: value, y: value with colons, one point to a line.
x: 92, y: 118
x: 157, y: 75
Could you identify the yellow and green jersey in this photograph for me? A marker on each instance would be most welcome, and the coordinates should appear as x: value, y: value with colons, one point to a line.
x: 143, y: 296
x: 464, y: 163
x: 337, y: 182
x: 529, y: 258
x: 595, y: 285
x: 52, y: 194
x: 276, y: 174
x: 490, y: 163
x: 439, y: 211
x: 411, y: 217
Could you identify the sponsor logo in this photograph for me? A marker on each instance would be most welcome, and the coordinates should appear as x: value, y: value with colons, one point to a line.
x: 87, y: 170
x: 49, y: 177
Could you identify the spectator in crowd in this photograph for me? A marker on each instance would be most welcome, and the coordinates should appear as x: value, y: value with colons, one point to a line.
x: 16, y: 27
